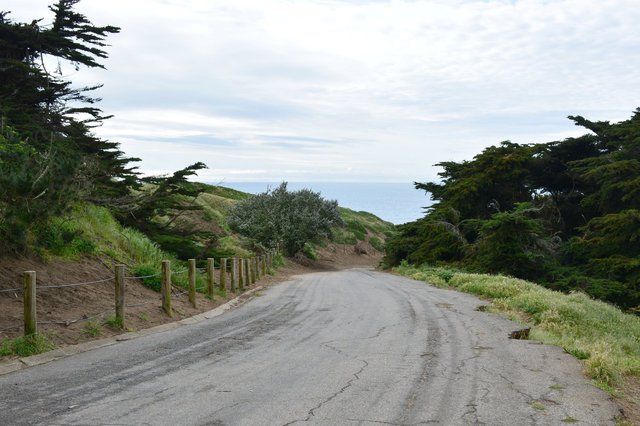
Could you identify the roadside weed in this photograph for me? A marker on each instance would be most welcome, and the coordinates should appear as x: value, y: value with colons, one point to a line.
x: 92, y: 328
x: 25, y: 345
x: 114, y: 322
x: 601, y: 335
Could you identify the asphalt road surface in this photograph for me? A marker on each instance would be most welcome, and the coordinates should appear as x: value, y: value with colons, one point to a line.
x: 355, y: 347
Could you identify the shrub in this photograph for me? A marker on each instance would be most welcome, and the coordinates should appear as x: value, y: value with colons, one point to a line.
x: 285, y: 219
x: 357, y: 228
x: 151, y: 274
x: 309, y: 251
x: 513, y: 243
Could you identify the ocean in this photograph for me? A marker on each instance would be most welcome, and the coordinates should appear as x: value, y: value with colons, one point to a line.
x: 394, y: 202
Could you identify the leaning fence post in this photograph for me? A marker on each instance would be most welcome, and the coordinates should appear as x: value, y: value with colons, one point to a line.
x: 29, y: 294
x: 223, y: 274
x: 211, y: 277
x: 120, y: 286
x: 192, y: 282
x: 166, y: 287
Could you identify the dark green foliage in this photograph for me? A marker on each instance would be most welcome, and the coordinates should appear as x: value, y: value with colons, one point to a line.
x: 309, y: 251
x: 432, y: 239
x: 184, y: 247
x: 357, y: 228
x: 376, y: 243
x: 60, y: 237
x: 495, y: 180
x: 157, y: 209
x: 48, y: 155
x: 563, y: 213
x: 151, y: 276
x: 285, y: 219
x: 514, y: 243
x: 33, y: 187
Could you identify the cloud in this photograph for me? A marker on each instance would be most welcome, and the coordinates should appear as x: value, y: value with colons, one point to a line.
x: 370, y: 90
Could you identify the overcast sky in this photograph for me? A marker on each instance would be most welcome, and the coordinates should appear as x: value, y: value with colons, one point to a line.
x: 329, y: 90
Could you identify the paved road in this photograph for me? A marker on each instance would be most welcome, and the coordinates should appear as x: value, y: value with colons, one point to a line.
x: 354, y: 347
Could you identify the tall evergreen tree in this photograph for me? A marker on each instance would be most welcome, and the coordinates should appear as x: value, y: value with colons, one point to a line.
x: 42, y: 111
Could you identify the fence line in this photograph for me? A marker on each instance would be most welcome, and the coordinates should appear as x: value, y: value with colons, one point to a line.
x: 40, y: 287
x: 142, y: 277
x: 242, y: 273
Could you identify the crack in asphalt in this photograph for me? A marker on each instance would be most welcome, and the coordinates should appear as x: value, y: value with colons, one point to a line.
x: 370, y: 348
x: 382, y: 422
x: 311, y: 413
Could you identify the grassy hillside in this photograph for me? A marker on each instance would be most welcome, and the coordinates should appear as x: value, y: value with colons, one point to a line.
x: 91, y: 230
x: 363, y: 226
x: 604, y: 338
x: 214, y: 203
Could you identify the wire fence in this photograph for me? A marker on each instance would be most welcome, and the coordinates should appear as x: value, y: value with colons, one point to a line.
x: 236, y: 274
x: 42, y: 287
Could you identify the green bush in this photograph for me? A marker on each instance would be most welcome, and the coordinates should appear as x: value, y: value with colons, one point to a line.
x: 61, y: 237
x: 342, y: 235
x: 278, y: 260
x: 309, y: 251
x: 287, y: 219
x: 357, y: 228
x: 152, y: 279
x: 514, y: 243
x: 376, y: 243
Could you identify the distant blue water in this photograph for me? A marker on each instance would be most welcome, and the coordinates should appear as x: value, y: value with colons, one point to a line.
x: 394, y: 202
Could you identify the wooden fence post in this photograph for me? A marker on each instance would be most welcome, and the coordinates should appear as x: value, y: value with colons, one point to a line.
x: 241, y: 274
x: 192, y: 282
x: 166, y: 287
x: 256, y: 268
x: 264, y: 265
x: 120, y: 287
x: 258, y: 271
x: 223, y: 274
x: 253, y: 269
x: 247, y: 272
x: 211, y: 276
x: 29, y: 294
x: 234, y: 273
